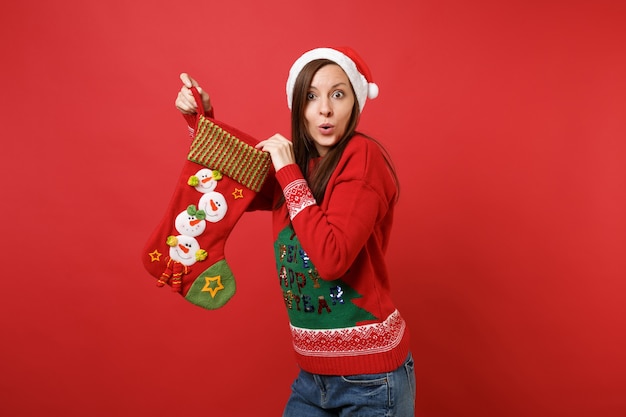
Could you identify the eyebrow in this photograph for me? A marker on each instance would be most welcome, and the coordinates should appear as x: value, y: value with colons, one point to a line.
x: 333, y: 86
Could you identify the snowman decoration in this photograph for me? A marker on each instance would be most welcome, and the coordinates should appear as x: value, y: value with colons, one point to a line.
x: 205, y: 180
x: 212, y: 203
x: 185, y: 250
x: 190, y: 222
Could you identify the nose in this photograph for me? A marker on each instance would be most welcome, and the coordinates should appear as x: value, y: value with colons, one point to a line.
x: 326, y: 109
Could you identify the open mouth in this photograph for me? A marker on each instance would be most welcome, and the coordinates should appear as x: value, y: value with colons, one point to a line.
x: 326, y: 128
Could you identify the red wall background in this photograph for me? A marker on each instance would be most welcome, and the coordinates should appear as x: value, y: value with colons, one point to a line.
x: 506, y: 122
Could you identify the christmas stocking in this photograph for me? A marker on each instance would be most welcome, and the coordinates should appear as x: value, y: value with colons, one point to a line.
x: 222, y: 174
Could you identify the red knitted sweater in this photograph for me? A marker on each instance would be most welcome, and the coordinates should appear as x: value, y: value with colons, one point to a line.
x: 330, y: 260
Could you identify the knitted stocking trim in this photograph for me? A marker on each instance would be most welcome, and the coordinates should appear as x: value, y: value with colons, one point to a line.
x: 216, y: 148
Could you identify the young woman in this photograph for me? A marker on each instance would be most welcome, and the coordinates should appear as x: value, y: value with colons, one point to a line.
x: 333, y: 196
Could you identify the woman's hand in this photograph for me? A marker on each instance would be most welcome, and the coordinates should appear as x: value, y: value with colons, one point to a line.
x: 185, y: 102
x: 280, y: 150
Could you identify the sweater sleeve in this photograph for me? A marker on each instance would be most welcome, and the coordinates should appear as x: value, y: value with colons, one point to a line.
x: 358, y: 196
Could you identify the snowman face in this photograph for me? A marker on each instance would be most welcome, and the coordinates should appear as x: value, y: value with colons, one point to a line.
x: 189, y: 225
x: 185, y: 250
x: 206, y: 181
x: 214, y: 205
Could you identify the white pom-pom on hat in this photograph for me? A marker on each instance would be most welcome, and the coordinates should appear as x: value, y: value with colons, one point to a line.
x: 372, y: 91
x: 353, y: 65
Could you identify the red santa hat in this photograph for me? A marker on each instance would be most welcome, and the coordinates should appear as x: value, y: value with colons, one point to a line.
x: 355, y: 68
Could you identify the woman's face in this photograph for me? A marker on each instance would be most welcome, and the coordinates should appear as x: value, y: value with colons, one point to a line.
x: 328, y: 108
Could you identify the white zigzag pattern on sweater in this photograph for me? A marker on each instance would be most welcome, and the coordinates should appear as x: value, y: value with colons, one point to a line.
x: 350, y: 341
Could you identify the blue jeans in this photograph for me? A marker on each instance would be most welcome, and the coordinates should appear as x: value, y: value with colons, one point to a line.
x: 370, y: 395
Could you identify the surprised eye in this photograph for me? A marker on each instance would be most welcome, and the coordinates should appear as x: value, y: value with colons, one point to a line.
x: 310, y: 96
x: 338, y: 94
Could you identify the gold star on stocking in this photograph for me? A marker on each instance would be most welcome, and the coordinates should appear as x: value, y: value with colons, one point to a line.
x: 155, y: 256
x: 210, y: 289
x: 238, y: 193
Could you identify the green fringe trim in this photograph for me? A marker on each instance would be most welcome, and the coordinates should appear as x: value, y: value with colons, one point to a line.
x: 216, y: 148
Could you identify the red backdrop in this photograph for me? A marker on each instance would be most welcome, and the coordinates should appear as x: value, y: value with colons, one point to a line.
x: 506, y: 122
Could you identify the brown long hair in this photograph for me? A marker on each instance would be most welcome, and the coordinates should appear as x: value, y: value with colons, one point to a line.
x: 303, y: 145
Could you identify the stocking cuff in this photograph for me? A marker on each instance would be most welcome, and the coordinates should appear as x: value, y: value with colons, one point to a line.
x: 229, y: 151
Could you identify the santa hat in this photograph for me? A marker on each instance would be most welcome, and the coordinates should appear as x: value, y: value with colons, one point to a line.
x: 356, y: 69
